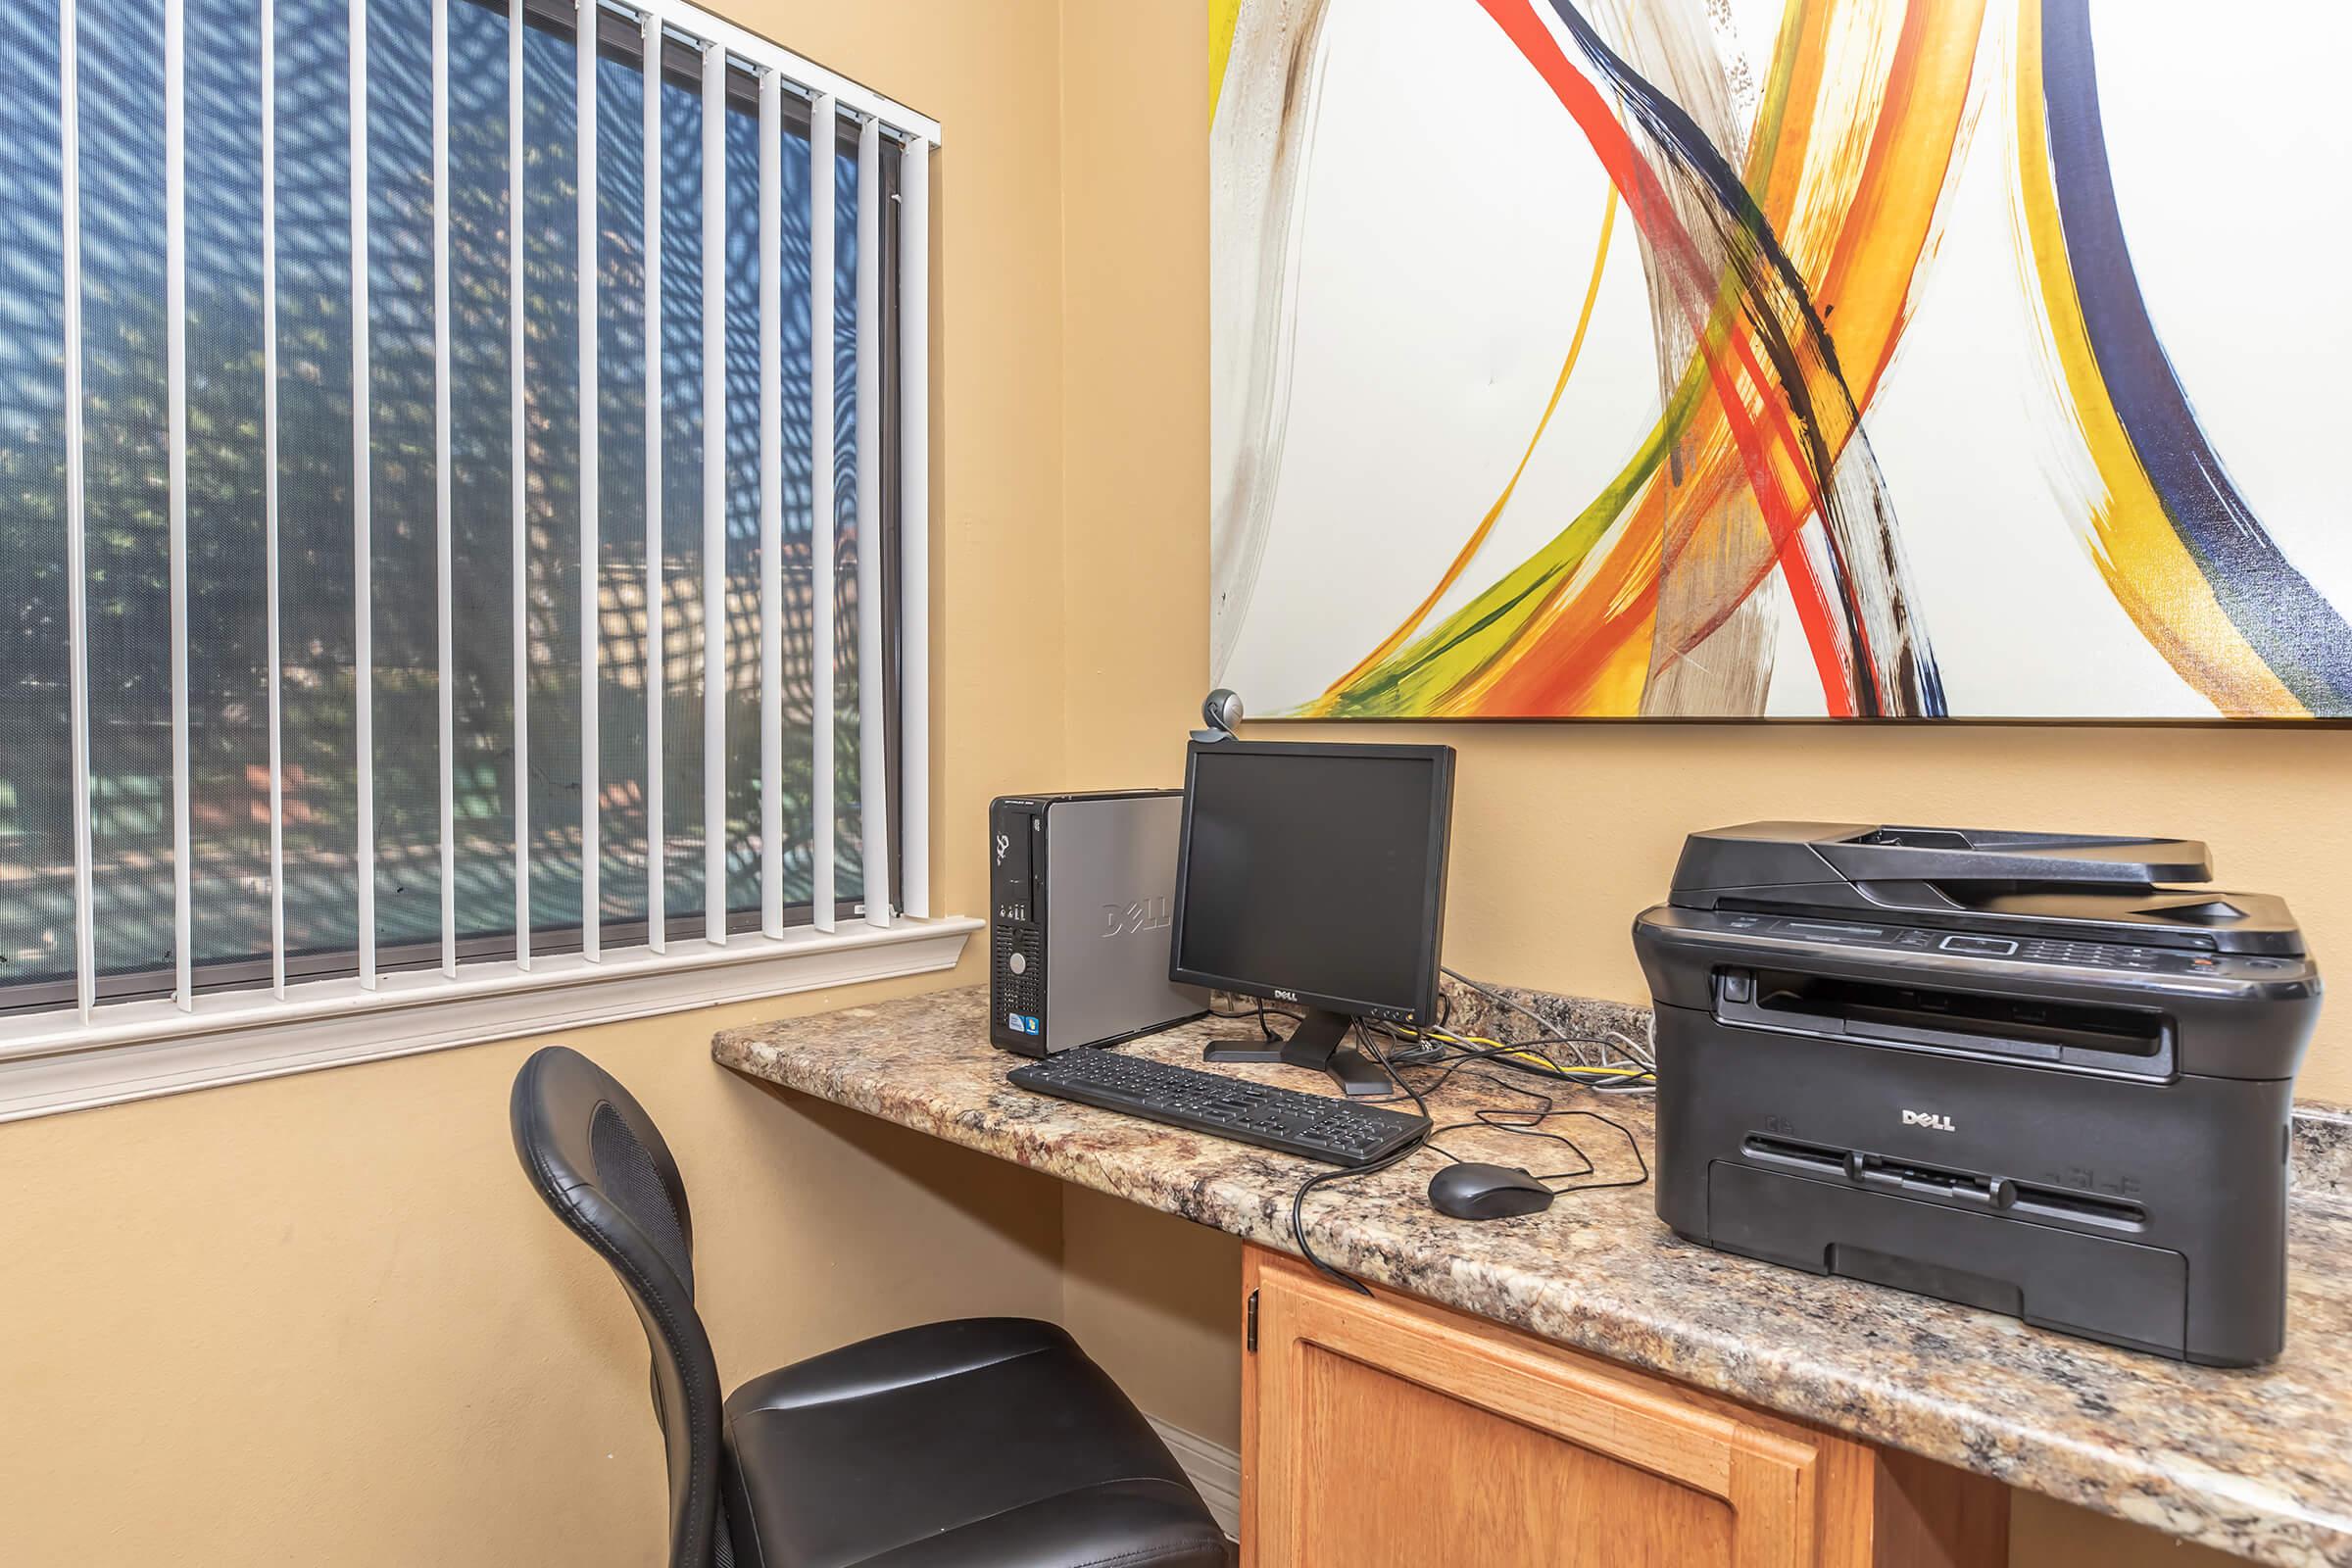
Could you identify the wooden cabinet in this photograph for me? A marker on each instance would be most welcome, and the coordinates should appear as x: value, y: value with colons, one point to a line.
x: 1393, y: 1430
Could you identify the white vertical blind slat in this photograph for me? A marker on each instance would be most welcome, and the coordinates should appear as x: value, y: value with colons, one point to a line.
x: 269, y: 500
x: 362, y: 484
x: 518, y: 499
x: 656, y: 579
x: 444, y: 484
x: 771, y: 504
x: 77, y: 596
x: 873, y: 729
x: 176, y: 421
x: 715, y: 493
x: 591, y: 495
x: 915, y: 528
x: 823, y: 127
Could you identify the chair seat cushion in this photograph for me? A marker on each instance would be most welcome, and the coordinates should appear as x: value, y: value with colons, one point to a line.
x: 989, y: 1443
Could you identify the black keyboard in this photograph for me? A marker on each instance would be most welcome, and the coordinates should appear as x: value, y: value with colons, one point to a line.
x: 1311, y: 1126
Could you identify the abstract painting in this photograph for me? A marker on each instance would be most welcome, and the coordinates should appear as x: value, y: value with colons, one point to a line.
x: 1760, y: 359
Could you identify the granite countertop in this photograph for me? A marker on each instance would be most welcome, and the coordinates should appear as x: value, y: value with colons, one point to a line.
x: 2254, y: 1462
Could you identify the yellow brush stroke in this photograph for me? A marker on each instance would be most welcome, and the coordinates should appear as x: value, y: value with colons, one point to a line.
x: 1786, y: 114
x: 1890, y: 212
x: 1486, y: 524
x: 1222, y: 15
x: 2146, y: 567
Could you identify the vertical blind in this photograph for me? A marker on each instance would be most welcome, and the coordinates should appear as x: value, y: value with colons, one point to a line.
x: 462, y: 491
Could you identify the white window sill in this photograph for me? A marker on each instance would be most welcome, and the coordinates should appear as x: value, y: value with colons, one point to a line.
x: 53, y: 1062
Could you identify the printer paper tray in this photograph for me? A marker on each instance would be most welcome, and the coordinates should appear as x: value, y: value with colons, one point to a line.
x: 2119, y: 1291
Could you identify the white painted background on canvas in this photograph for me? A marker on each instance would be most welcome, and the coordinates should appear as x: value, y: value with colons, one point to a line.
x: 1450, y: 215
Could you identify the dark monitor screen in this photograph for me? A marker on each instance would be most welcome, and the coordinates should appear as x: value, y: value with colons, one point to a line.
x: 1318, y: 871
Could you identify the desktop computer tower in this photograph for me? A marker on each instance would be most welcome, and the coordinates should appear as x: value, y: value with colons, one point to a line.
x: 1081, y: 891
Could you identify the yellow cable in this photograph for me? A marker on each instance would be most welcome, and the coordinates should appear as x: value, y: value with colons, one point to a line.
x: 1524, y: 1054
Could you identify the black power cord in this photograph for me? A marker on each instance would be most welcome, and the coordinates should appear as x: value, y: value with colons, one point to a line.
x: 1348, y: 1173
x: 1261, y: 1014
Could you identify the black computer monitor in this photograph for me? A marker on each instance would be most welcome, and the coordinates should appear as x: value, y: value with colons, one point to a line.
x: 1316, y: 874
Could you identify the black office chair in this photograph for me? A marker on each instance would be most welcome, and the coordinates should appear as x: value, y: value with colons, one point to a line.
x: 989, y: 1443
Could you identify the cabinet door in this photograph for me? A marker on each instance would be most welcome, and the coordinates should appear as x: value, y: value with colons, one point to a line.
x: 1390, y: 1431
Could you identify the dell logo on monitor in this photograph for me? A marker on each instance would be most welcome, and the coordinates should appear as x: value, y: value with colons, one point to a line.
x: 1928, y: 1119
x: 1281, y: 994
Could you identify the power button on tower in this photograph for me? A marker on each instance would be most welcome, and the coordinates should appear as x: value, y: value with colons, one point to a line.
x: 1018, y: 963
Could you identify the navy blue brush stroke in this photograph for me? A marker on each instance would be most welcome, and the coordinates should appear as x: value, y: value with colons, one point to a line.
x: 1751, y: 234
x: 2284, y: 618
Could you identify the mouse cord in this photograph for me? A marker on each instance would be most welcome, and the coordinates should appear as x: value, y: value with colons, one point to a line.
x: 1631, y: 1147
x: 1523, y: 1120
x: 1495, y: 1118
x: 1527, y: 1121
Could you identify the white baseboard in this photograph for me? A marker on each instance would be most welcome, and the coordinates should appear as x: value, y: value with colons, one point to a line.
x: 1214, y: 1470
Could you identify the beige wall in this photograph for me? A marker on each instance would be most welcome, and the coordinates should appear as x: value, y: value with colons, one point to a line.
x: 1561, y: 833
x: 1156, y: 1300
x: 324, y: 1320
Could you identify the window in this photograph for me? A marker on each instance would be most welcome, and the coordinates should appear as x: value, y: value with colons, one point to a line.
x: 395, y: 585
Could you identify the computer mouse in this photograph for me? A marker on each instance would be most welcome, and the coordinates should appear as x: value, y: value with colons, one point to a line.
x: 1487, y: 1192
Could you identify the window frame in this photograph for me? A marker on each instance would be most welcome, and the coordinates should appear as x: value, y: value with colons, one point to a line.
x: 230, y: 1025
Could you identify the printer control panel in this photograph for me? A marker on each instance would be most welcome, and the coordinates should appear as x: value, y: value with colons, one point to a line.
x: 2113, y: 955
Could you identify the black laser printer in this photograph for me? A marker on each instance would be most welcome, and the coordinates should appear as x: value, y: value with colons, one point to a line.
x: 2022, y: 1071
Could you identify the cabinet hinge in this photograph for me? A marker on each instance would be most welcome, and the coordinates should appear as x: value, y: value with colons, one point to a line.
x: 1250, y: 1340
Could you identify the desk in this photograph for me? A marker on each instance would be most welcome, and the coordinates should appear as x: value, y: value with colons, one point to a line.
x: 2254, y: 1462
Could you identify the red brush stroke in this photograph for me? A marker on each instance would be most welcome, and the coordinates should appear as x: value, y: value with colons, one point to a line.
x: 1647, y: 199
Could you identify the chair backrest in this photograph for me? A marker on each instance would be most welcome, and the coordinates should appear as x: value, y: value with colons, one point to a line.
x: 599, y: 1163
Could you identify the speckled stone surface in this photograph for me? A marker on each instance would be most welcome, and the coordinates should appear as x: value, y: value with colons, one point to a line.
x: 2321, y: 1152
x: 2254, y: 1462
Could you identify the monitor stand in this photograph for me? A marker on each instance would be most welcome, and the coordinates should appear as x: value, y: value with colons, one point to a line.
x: 1317, y: 1042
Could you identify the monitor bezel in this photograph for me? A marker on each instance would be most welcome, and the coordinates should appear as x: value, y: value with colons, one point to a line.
x: 1441, y: 834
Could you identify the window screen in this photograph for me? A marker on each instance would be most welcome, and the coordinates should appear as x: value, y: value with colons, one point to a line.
x: 316, y: 620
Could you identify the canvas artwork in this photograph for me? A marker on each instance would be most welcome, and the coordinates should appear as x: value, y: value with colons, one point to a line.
x: 1753, y: 359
